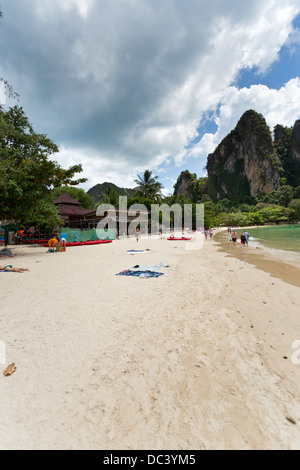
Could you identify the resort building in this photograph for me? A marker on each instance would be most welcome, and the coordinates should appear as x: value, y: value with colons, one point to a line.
x: 78, y: 218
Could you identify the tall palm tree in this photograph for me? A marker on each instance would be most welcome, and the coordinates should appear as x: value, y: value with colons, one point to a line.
x: 148, y: 186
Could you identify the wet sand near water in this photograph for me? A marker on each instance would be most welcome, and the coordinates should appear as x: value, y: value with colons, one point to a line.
x: 261, y: 259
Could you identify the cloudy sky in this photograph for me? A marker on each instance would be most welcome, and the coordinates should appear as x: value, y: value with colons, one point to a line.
x: 127, y: 85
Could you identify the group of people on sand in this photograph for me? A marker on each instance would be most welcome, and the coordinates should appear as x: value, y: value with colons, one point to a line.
x: 244, y: 237
x: 54, y: 244
x: 208, y: 233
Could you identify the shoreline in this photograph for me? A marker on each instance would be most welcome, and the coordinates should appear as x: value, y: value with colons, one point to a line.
x: 199, y: 358
x: 277, y: 263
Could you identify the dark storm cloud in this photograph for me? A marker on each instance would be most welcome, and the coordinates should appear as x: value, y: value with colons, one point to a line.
x: 128, y: 81
x: 91, y: 81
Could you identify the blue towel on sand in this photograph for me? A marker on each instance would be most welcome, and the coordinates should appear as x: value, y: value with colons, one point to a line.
x: 142, y: 274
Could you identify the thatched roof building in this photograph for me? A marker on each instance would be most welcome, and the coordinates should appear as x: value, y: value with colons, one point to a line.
x: 75, y: 216
x: 70, y: 210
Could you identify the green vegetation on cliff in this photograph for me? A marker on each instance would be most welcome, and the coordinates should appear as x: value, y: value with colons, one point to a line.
x: 99, y: 191
x: 287, y: 145
x: 245, y: 162
x: 191, y: 187
x: 252, y: 179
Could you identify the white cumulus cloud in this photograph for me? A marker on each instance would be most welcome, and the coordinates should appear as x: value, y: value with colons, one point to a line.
x: 125, y: 85
x: 277, y: 106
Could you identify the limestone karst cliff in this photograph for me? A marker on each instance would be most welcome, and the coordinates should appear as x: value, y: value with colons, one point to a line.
x: 295, y: 155
x: 245, y: 163
x: 189, y: 186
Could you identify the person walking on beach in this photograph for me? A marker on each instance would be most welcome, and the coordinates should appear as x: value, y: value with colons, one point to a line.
x: 137, y: 234
x: 246, y: 237
x: 210, y: 233
x: 233, y: 235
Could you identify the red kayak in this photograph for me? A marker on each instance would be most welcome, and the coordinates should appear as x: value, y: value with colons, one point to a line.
x: 89, y: 242
x: 177, y: 239
x: 33, y: 241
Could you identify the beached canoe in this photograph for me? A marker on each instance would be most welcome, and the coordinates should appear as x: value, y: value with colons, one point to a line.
x: 177, y: 239
x: 89, y: 242
x: 33, y: 241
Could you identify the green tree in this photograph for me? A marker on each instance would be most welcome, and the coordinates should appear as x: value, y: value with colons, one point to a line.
x: 286, y: 195
x: 76, y: 193
x: 27, y: 173
x: 177, y: 199
x: 140, y: 200
x: 234, y: 219
x: 205, y: 198
x: 110, y: 196
x: 294, y: 207
x: 148, y: 187
x: 255, y: 218
x: 211, y: 218
x: 297, y: 192
x: 272, y: 198
x: 224, y: 205
x: 275, y: 214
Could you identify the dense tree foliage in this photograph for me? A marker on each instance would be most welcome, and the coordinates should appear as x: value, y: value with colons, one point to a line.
x: 27, y: 174
x: 273, y: 208
x: 195, y: 188
x: 99, y: 191
x: 110, y: 196
x: 284, y: 144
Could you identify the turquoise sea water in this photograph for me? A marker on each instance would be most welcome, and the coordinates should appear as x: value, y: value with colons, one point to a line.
x: 278, y: 237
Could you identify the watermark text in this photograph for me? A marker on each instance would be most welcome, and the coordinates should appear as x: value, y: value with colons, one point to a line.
x: 2, y: 353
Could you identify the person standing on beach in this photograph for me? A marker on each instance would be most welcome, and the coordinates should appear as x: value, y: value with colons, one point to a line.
x: 137, y: 234
x: 246, y: 237
x: 233, y: 236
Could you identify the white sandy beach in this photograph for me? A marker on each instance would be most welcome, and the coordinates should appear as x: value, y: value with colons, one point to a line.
x: 200, y: 358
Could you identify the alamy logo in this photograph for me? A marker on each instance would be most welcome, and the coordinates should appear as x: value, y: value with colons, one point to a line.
x: 163, y: 220
x: 296, y: 354
x: 2, y: 353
